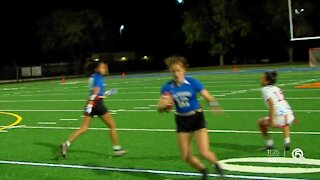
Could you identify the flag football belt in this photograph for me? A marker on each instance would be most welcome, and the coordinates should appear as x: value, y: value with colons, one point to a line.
x: 190, y: 113
x: 94, y: 97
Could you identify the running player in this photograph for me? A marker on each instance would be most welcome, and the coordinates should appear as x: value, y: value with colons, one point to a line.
x: 280, y: 113
x: 189, y: 116
x: 95, y: 107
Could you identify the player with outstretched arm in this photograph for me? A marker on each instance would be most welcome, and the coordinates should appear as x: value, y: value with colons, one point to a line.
x: 189, y: 117
x: 96, y: 107
x: 280, y: 112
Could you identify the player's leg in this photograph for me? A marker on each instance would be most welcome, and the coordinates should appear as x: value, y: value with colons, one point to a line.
x: 286, y: 137
x: 184, y: 142
x: 284, y: 122
x: 108, y: 120
x: 264, y: 124
x: 83, y: 128
x: 202, y: 140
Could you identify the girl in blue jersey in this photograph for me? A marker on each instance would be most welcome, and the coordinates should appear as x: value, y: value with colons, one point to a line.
x: 189, y: 116
x: 95, y: 107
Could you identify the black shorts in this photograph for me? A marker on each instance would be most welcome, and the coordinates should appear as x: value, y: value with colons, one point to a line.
x: 98, y: 109
x: 190, y: 123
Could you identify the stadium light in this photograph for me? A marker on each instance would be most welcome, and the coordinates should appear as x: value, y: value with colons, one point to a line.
x: 146, y: 58
x: 124, y: 58
x: 180, y: 1
x: 298, y: 11
x: 121, y: 30
x: 121, y: 27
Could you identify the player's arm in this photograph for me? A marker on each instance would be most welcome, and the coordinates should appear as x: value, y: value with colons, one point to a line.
x: 212, y: 102
x: 160, y: 106
x: 271, y: 110
x: 207, y: 96
x: 163, y: 100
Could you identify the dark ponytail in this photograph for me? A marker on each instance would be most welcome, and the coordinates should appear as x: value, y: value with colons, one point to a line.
x: 271, y: 77
x: 91, y: 65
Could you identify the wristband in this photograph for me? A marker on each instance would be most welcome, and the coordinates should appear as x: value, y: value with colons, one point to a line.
x: 92, y: 97
x: 213, y: 104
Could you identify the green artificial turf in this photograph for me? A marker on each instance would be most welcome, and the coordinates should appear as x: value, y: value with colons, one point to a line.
x: 149, y: 136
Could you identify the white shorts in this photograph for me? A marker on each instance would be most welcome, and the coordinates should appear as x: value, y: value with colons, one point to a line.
x: 281, y: 121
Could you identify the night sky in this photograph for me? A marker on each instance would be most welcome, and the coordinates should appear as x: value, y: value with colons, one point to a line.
x: 150, y: 26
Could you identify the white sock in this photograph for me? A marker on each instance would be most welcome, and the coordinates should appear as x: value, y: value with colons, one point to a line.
x: 115, y: 148
x: 269, y: 142
x: 68, y: 143
x: 286, y: 140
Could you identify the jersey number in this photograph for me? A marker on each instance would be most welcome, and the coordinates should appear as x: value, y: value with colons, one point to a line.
x: 183, y: 102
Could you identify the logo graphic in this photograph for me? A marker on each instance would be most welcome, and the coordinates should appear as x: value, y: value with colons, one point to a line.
x: 297, y: 154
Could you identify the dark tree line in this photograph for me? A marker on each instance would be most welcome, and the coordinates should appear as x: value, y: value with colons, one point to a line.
x: 223, y: 25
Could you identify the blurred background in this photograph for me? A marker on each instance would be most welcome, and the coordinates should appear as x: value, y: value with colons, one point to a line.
x: 54, y: 37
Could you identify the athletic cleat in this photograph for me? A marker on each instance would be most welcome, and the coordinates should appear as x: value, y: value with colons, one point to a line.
x: 219, y: 170
x: 287, y: 146
x: 205, y: 174
x: 64, y: 150
x: 119, y: 152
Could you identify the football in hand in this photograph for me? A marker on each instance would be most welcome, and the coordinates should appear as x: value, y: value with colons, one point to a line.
x: 166, y: 101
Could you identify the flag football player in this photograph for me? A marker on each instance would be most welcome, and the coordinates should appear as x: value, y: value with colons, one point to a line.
x: 182, y: 92
x: 96, y: 107
x: 280, y: 112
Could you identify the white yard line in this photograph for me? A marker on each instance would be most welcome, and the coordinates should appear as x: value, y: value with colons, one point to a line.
x: 3, y: 131
x: 149, y: 171
x: 68, y: 119
x: 15, y: 127
x: 141, y: 108
x: 47, y: 123
x: 153, y: 105
x: 173, y: 130
x: 258, y: 89
x: 70, y: 83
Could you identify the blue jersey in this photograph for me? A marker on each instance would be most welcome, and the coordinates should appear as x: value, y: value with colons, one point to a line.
x: 185, y: 95
x: 97, y: 80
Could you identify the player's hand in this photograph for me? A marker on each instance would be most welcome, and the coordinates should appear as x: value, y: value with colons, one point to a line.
x: 217, y: 110
x: 111, y: 92
x: 88, y: 108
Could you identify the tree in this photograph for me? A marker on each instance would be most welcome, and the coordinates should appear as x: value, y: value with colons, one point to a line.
x: 216, y: 22
x: 73, y: 31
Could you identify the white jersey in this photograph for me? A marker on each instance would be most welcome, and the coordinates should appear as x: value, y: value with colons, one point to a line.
x: 280, y: 105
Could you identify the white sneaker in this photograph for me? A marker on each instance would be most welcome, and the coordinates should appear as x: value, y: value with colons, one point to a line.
x: 119, y: 152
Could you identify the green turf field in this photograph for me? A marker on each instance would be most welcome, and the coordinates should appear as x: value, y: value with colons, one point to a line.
x: 50, y: 112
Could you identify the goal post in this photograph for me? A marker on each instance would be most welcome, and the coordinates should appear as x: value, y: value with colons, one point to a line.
x: 295, y: 12
x: 314, y: 57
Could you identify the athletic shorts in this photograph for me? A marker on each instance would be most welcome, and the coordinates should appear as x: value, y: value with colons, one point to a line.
x: 98, y: 109
x: 281, y: 121
x: 190, y: 123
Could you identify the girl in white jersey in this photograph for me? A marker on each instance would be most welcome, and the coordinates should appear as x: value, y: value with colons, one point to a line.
x: 280, y: 113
